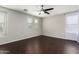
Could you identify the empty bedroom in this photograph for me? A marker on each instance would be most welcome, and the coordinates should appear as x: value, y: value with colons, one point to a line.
x: 39, y: 29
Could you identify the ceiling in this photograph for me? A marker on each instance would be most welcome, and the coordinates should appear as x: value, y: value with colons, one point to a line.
x: 34, y: 9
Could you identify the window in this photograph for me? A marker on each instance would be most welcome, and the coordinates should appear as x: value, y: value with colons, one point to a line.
x: 2, y: 23
x: 30, y: 20
x: 71, y: 29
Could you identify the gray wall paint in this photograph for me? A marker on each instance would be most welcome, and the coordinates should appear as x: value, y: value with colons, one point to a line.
x: 17, y: 27
x: 54, y: 26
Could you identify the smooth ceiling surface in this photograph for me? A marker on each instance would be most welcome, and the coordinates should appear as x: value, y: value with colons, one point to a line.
x: 34, y: 9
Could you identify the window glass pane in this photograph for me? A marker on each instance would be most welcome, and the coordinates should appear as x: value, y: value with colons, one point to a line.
x: 30, y: 20
x: 72, y: 28
x: 72, y: 19
x: 2, y: 15
x: 1, y: 27
x: 2, y: 22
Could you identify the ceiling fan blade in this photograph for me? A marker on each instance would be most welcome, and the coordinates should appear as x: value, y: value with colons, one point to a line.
x: 48, y: 9
x: 39, y: 13
x: 42, y: 5
x: 46, y: 12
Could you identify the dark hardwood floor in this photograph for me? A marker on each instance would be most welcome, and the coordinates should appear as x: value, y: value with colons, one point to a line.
x: 41, y: 45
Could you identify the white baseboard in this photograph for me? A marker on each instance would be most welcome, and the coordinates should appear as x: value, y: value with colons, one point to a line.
x: 17, y: 40
x: 59, y: 37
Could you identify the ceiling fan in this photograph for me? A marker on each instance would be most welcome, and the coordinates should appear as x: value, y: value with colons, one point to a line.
x: 45, y: 10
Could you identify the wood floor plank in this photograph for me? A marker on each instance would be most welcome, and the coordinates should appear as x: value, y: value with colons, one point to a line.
x: 41, y: 45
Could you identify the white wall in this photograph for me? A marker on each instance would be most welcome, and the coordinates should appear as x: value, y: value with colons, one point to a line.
x: 54, y: 26
x: 17, y: 27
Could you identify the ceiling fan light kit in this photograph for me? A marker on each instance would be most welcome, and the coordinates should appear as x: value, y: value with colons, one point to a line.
x: 25, y: 9
x: 45, y: 10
